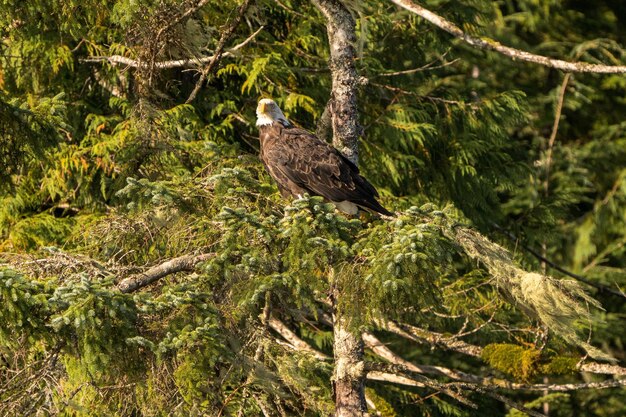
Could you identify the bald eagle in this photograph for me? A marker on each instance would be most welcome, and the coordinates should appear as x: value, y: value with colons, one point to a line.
x: 302, y: 163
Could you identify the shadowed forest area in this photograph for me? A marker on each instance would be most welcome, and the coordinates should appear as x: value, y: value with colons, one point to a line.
x: 150, y: 267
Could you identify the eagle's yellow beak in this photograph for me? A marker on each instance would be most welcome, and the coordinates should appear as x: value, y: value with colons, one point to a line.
x: 262, y: 107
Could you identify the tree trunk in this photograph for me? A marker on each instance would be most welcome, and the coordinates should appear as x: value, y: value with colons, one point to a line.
x: 341, y: 39
x: 349, y: 373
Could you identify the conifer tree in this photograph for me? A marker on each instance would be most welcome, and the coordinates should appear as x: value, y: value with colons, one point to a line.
x: 149, y: 267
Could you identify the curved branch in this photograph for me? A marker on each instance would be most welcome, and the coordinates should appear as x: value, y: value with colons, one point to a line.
x: 177, y: 63
x: 180, y: 264
x: 492, y: 45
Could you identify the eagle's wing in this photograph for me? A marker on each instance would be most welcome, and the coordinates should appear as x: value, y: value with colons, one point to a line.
x: 314, y: 165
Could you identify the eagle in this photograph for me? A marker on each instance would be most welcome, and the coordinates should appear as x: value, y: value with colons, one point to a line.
x: 300, y: 163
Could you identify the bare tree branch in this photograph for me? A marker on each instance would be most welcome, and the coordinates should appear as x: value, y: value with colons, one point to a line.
x: 299, y: 344
x: 219, y: 51
x: 492, y: 45
x: 393, y: 379
x: 555, y: 128
x: 383, y: 351
x: 177, y: 63
x: 400, y: 375
x: 180, y: 264
x: 403, y: 373
x: 602, y: 368
x: 433, y: 338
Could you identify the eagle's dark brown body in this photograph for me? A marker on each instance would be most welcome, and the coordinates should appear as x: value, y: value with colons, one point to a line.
x: 302, y: 163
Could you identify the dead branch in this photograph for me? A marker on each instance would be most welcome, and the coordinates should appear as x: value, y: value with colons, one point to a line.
x: 402, y: 373
x: 177, y: 63
x: 492, y: 45
x: 180, y: 264
x: 384, y: 352
x: 422, y: 336
x: 555, y: 128
x: 219, y: 51
x: 299, y: 344
x: 393, y: 379
x: 433, y: 338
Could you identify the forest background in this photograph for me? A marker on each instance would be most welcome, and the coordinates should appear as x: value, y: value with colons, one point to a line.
x: 149, y: 267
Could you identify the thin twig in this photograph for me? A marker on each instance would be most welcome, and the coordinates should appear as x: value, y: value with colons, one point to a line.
x: 555, y: 129
x: 426, y: 67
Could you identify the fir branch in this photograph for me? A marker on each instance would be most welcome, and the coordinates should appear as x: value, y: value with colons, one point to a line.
x: 181, y: 264
x: 492, y: 45
x: 177, y: 63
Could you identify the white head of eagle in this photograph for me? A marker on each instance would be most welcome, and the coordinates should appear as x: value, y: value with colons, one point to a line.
x: 301, y: 163
x: 268, y: 112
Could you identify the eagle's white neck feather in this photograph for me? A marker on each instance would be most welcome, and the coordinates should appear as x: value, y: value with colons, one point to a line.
x: 263, y: 120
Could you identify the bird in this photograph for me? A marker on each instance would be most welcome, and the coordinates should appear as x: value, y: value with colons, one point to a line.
x: 301, y: 163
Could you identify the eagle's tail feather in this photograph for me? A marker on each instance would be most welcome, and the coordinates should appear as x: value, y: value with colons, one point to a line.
x: 373, y: 205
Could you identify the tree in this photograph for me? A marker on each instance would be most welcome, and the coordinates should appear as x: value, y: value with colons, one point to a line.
x: 149, y: 266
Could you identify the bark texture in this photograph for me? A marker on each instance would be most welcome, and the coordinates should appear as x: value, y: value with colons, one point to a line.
x: 349, y: 374
x: 341, y: 39
x: 180, y: 264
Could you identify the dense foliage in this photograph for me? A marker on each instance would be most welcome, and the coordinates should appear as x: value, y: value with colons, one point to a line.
x: 106, y: 169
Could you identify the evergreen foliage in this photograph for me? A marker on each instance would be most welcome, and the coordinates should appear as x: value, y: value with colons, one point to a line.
x: 106, y: 170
